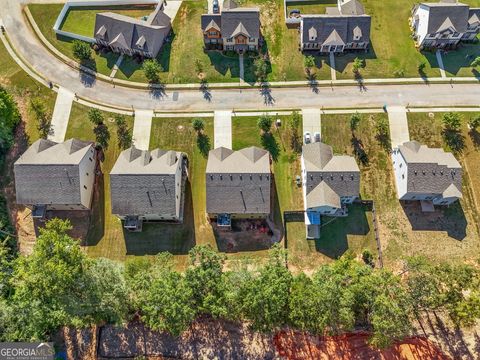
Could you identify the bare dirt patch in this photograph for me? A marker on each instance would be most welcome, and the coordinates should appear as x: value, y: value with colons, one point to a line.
x: 299, y: 346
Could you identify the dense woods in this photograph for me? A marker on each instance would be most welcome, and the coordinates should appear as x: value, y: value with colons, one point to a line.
x: 59, y: 285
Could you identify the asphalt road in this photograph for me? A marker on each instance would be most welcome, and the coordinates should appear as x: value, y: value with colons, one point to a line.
x: 31, y: 49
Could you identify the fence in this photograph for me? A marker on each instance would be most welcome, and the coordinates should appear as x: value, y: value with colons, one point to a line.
x: 92, y: 3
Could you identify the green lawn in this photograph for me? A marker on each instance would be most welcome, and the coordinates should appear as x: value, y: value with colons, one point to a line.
x: 354, y: 233
x: 81, y: 20
x: 403, y: 232
x: 428, y: 130
x: 311, y: 7
x: 392, y: 49
x: 457, y: 63
x: 45, y: 16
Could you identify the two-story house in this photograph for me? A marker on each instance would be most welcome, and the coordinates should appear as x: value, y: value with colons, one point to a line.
x: 238, y: 184
x: 130, y: 36
x: 444, y: 24
x: 148, y: 186
x: 233, y: 29
x: 342, y: 28
x: 426, y: 174
x: 329, y: 183
x: 56, y: 176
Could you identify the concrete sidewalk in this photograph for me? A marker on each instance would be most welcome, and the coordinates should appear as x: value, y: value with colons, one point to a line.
x: 223, y: 129
x: 61, y: 115
x: 441, y: 67
x: 142, y: 128
x: 333, y: 71
x: 397, y: 118
x: 311, y: 122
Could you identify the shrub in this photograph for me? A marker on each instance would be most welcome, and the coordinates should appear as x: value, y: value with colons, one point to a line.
x: 152, y: 69
x: 264, y: 123
x: 81, y: 50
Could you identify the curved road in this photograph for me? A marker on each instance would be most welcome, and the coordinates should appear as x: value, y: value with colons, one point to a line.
x: 32, y: 50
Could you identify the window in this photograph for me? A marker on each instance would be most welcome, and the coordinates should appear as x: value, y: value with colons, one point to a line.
x: 85, y: 187
x: 213, y: 33
x: 251, y: 39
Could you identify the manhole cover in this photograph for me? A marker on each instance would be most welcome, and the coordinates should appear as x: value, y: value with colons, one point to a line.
x: 175, y: 96
x: 431, y: 115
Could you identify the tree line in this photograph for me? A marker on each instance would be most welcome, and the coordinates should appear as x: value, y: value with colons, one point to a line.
x: 59, y: 285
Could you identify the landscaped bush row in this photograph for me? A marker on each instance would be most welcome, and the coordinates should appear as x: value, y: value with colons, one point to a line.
x: 59, y: 285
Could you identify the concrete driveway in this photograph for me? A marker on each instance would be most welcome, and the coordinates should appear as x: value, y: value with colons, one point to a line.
x: 61, y: 115
x: 171, y: 9
x: 223, y: 129
x: 142, y: 128
x: 311, y: 122
x: 397, y: 118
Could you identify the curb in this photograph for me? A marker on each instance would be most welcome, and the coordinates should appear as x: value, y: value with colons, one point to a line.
x: 219, y: 86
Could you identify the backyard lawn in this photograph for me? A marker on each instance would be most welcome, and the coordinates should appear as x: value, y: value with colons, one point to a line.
x: 354, y: 233
x: 45, y: 16
x: 427, y: 128
x: 81, y: 20
x: 404, y: 231
x: 313, y: 7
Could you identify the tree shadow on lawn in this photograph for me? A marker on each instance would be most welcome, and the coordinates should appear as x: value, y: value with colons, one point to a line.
x: 342, y: 60
x: 270, y: 144
x: 449, y: 219
x: 334, y: 233
x: 461, y: 57
x: 224, y: 64
x: 177, y: 239
x: 203, y: 144
x: 475, y: 137
x: 130, y: 66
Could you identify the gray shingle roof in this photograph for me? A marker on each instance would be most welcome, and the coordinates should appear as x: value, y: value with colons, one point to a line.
x: 143, y: 182
x: 430, y: 170
x: 344, y: 26
x: 208, y: 18
x: 456, y: 13
x: 248, y: 17
x: 48, y: 172
x: 238, y: 182
x: 474, y: 15
x: 340, y: 173
x: 125, y: 32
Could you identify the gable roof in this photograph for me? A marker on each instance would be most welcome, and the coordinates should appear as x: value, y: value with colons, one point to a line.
x: 48, y: 172
x: 143, y: 182
x: 474, y: 16
x: 327, y: 173
x: 208, y: 19
x: 323, y: 195
x: 249, y: 18
x: 125, y: 32
x: 238, y: 182
x: 240, y: 30
x: 438, y: 13
x: 336, y: 29
x: 431, y: 170
x: 251, y: 160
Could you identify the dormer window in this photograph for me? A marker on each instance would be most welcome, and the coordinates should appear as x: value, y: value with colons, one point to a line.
x: 141, y: 42
x: 312, y: 34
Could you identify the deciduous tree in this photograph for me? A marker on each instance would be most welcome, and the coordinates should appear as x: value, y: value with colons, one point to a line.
x: 81, y: 50
x: 152, y: 69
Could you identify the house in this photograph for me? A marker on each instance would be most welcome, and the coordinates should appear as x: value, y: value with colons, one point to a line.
x: 426, y: 174
x: 130, y: 36
x: 329, y: 183
x: 444, y: 24
x: 148, y: 186
x: 233, y: 29
x: 342, y: 28
x: 56, y: 176
x: 238, y: 184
